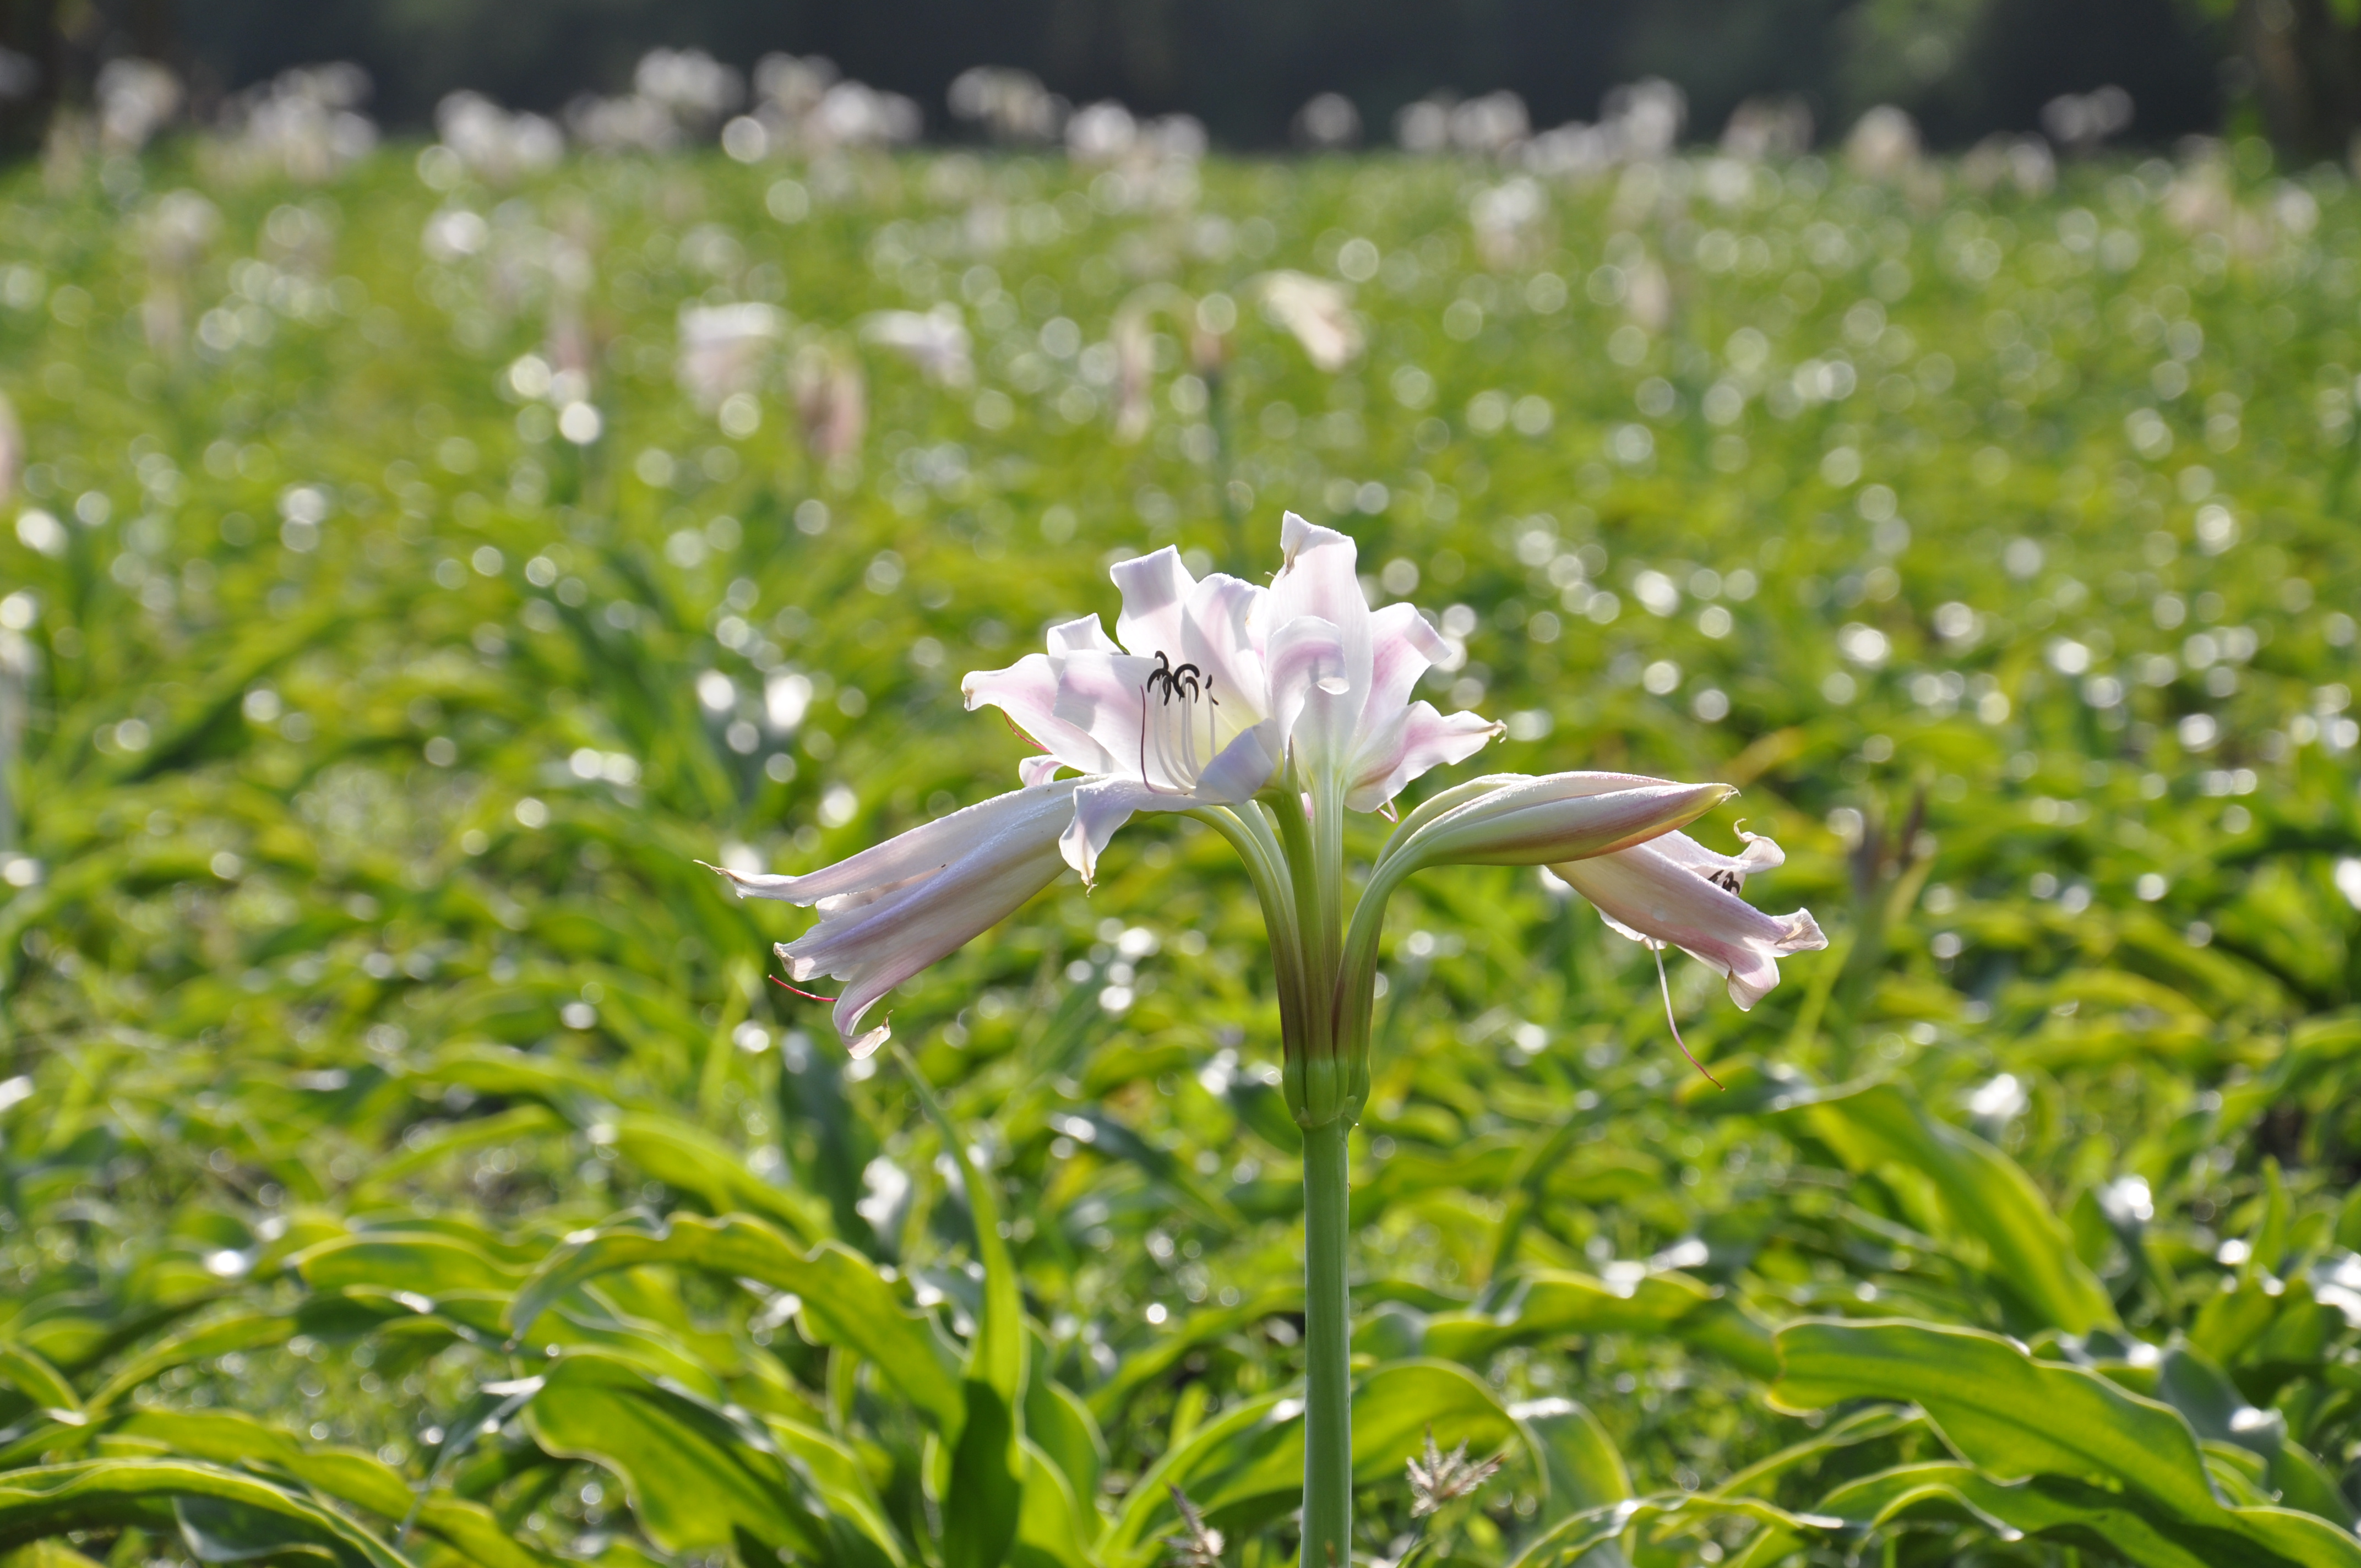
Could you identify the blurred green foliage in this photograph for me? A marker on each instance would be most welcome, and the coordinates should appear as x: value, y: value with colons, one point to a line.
x: 402, y: 1158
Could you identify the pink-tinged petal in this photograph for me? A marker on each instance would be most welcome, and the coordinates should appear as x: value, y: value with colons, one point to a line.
x: 1244, y: 766
x: 1102, y: 805
x: 1759, y: 855
x: 1104, y: 695
x: 1648, y: 894
x: 1038, y: 769
x: 1318, y: 580
x: 1403, y: 647
x: 1155, y: 589
x: 1027, y: 692
x: 1084, y: 635
x: 1418, y: 739
x: 1216, y: 636
x: 1302, y: 655
x: 890, y: 911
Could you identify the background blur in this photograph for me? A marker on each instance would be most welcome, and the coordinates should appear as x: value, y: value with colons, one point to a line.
x: 1963, y: 68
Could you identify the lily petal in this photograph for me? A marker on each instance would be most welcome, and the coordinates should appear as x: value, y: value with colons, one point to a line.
x: 1662, y: 891
x: 1418, y: 738
x: 1156, y: 589
x: 1027, y: 693
x: 890, y: 911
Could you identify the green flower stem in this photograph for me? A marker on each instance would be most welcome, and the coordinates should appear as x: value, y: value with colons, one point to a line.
x: 1327, y: 1334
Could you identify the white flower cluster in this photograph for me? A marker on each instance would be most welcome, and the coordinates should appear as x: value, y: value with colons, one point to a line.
x: 306, y: 121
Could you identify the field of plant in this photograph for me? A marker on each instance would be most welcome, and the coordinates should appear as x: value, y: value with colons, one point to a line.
x: 408, y: 580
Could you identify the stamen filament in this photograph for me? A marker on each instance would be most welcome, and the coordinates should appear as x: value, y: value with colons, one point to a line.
x: 1672, y: 1023
x: 799, y: 990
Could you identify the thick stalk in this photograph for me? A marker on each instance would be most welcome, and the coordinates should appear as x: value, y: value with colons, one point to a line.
x: 1327, y: 1332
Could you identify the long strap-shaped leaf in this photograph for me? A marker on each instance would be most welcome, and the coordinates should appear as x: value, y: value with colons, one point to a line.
x: 2014, y: 1418
x: 988, y: 1464
x: 845, y: 1298
x: 100, y: 1494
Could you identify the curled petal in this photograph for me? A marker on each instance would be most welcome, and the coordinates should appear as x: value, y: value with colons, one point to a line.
x: 1403, y: 647
x: 1084, y: 635
x: 1102, y: 805
x: 1664, y: 890
x: 1417, y: 739
x: 1038, y: 769
x: 1156, y: 589
x: 890, y: 911
x: 1027, y: 692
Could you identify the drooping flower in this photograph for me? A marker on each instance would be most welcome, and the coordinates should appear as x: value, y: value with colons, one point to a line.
x: 936, y: 341
x: 831, y: 403
x: 1672, y: 889
x: 1317, y: 312
x: 1189, y: 704
x: 1253, y: 708
x: 1363, y: 732
x: 893, y: 909
x: 723, y: 348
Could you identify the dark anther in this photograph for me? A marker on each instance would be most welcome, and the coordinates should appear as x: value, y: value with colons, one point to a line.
x: 1186, y: 680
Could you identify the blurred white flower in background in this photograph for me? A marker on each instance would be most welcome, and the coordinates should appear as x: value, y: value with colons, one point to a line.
x: 690, y: 85
x: 1883, y: 144
x: 803, y: 107
x: 1760, y: 129
x: 831, y: 400
x: 1316, y: 310
x: 306, y: 123
x: 176, y: 233
x: 1507, y: 219
x: 1328, y: 121
x: 724, y: 348
x: 1011, y: 107
x: 137, y: 98
x: 936, y: 341
x: 494, y: 145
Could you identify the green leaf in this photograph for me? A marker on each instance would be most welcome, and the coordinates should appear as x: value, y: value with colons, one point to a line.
x: 696, y: 1474
x: 1578, y: 1457
x: 418, y: 1264
x: 110, y: 1494
x: 1548, y: 1303
x: 243, y: 1330
x: 31, y: 1376
x: 1244, y: 1469
x: 2075, y: 1511
x: 1060, y: 1425
x: 695, y: 1161
x: 846, y: 1301
x: 1571, y: 1541
x: 1971, y: 1189
x: 1054, y: 1524
x: 988, y: 1464
x: 2014, y: 1418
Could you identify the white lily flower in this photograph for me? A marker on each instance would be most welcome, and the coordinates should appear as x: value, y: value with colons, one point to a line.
x: 1365, y: 734
x: 936, y: 341
x: 893, y: 909
x: 1189, y: 705
x: 1317, y: 312
x: 722, y: 348
x: 1674, y: 889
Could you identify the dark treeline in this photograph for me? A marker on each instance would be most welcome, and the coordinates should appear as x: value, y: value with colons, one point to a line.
x: 1965, y: 68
